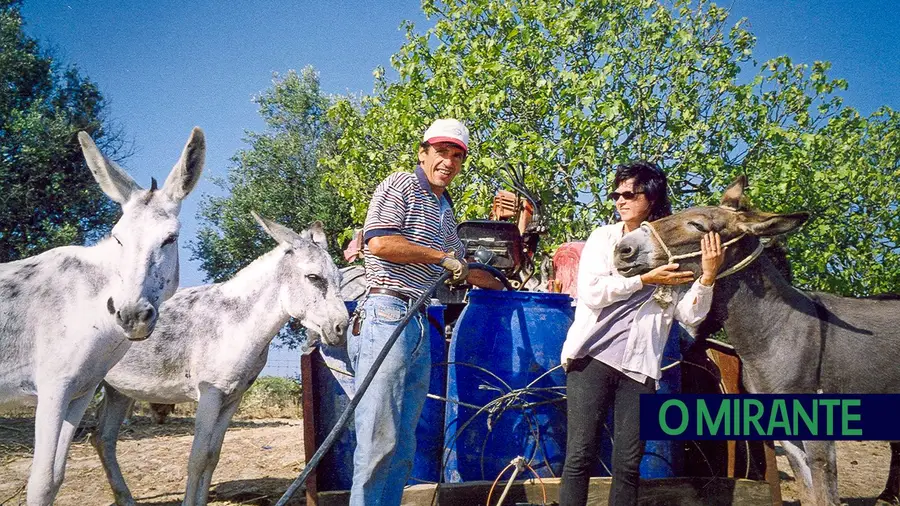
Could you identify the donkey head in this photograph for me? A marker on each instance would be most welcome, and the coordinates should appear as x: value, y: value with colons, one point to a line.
x: 640, y: 250
x: 310, y: 281
x: 143, y: 244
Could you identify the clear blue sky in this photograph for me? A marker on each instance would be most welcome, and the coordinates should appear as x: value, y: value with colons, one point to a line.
x: 166, y: 66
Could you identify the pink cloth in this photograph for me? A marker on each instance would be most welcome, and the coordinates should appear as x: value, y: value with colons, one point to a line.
x: 565, y: 266
x: 354, y: 249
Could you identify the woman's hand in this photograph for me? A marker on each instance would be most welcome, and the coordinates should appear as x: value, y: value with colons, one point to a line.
x: 667, y: 275
x: 712, y: 257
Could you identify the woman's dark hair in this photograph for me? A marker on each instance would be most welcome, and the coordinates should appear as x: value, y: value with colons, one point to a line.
x: 651, y: 180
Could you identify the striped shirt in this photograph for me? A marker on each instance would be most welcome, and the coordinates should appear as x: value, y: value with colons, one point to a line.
x: 403, y: 204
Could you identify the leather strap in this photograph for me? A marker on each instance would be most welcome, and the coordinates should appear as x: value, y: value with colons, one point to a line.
x: 393, y: 293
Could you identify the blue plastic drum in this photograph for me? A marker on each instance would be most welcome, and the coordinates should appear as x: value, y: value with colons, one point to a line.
x: 504, y: 401
x: 665, y: 459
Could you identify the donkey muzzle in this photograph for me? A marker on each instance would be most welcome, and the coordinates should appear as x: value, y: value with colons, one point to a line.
x: 137, y: 320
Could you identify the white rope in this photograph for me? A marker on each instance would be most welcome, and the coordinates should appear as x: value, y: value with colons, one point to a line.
x: 731, y: 270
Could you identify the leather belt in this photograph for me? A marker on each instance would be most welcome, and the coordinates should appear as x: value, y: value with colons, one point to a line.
x: 405, y: 298
x: 393, y: 293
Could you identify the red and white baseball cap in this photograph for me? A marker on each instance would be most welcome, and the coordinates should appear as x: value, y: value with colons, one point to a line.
x: 448, y: 130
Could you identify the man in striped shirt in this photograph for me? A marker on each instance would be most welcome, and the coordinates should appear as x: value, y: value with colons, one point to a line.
x: 410, y: 239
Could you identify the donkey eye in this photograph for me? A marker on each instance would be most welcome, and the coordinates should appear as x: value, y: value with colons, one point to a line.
x: 169, y: 240
x: 698, y: 226
x: 315, y: 278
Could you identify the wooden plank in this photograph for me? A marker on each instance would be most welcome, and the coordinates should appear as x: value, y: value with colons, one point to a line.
x: 730, y: 371
x: 772, y: 476
x: 656, y: 492
x: 310, y: 445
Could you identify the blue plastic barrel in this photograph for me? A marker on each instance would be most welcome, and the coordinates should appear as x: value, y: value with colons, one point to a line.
x: 665, y: 459
x: 502, y: 343
x: 333, y: 388
x: 662, y: 459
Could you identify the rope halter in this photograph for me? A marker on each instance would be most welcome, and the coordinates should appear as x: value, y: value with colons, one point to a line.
x: 727, y: 272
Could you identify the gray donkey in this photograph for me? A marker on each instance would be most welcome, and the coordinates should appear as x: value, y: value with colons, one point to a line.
x: 212, y: 343
x: 69, y: 314
x: 789, y: 341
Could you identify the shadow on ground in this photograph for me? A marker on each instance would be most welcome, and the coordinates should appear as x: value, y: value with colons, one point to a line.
x: 259, y: 492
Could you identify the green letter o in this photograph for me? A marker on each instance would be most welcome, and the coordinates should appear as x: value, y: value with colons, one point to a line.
x: 662, y: 417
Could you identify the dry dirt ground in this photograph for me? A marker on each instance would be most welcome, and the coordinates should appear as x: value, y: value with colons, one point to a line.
x: 862, y: 471
x: 261, y: 457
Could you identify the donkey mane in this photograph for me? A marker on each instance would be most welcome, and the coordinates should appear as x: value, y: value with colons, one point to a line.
x: 152, y: 191
x: 778, y: 255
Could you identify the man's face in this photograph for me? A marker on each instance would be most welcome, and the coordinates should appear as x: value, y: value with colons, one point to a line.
x: 441, y: 162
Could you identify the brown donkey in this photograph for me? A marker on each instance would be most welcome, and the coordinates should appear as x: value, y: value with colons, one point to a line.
x: 789, y: 341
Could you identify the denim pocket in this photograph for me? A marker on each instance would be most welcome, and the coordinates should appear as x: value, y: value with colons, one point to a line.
x: 422, y: 334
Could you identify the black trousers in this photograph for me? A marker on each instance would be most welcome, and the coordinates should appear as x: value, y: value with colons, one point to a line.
x: 592, y: 387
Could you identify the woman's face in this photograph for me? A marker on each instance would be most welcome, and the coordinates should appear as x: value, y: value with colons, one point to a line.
x: 633, y: 210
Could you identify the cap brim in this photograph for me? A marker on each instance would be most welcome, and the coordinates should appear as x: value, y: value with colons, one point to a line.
x: 451, y: 140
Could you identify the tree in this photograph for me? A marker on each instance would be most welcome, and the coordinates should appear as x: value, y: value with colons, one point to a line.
x: 48, y: 196
x: 279, y: 177
x: 570, y: 89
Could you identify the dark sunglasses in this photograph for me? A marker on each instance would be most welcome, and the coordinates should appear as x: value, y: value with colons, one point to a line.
x: 614, y: 196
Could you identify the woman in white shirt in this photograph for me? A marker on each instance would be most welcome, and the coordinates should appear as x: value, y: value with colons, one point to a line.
x: 613, y: 350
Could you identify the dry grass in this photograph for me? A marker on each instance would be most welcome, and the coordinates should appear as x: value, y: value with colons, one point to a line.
x: 259, y: 460
x: 261, y: 456
x: 268, y: 397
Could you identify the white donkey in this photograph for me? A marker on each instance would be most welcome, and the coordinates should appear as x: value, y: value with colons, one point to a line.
x: 69, y: 314
x: 212, y: 343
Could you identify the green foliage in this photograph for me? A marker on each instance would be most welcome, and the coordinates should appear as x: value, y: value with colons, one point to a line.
x: 570, y: 89
x: 49, y: 197
x: 278, y: 176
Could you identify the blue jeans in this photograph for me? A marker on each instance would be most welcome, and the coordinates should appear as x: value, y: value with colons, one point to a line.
x: 387, y: 415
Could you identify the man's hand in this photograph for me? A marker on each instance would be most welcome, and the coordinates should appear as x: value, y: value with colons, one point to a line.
x: 712, y: 257
x: 666, y: 275
x: 458, y: 270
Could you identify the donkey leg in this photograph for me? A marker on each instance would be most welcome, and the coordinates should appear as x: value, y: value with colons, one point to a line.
x: 822, y: 456
x: 48, y: 420
x: 215, y: 449
x: 71, y: 421
x: 891, y: 493
x: 796, y: 456
x: 208, y: 410
x: 116, y: 406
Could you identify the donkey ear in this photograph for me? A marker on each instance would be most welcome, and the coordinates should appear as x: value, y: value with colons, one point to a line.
x: 114, y: 181
x: 734, y: 194
x: 187, y: 170
x: 276, y: 231
x: 316, y: 234
x: 770, y: 224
